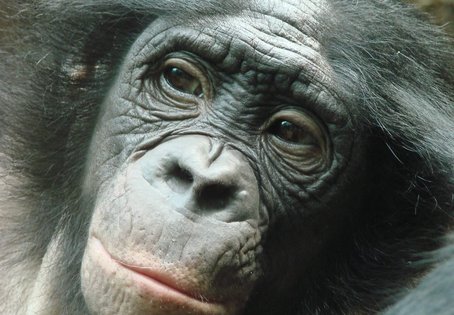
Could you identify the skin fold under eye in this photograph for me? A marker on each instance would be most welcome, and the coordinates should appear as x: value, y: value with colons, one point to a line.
x: 300, y: 138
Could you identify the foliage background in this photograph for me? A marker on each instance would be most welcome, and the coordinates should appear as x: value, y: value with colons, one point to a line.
x: 442, y: 12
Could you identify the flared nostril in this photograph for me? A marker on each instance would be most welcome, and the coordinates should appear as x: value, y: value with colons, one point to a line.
x: 213, y: 197
x: 179, y: 179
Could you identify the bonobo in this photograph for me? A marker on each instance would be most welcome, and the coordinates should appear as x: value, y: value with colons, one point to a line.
x: 225, y: 157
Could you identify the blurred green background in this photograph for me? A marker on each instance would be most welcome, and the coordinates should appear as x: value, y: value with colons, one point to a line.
x: 441, y: 10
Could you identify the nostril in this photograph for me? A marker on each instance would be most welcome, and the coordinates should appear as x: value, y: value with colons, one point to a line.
x: 215, y: 196
x: 179, y: 179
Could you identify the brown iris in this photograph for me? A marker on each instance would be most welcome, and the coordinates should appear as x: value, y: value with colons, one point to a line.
x: 182, y: 81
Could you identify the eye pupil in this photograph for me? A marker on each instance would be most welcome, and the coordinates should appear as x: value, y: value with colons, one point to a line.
x: 183, y: 81
x: 287, y: 131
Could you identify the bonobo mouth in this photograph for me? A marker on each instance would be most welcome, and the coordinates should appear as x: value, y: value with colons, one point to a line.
x: 162, y: 282
x: 157, y: 286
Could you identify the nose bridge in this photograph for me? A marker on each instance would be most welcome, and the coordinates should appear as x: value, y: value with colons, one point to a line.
x: 212, y: 163
x: 216, y: 149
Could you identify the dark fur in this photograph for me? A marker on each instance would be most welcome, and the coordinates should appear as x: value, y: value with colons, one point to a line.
x: 57, y: 62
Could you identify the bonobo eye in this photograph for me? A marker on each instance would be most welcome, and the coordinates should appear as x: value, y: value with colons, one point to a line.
x: 291, y: 132
x: 300, y: 138
x: 296, y: 127
x: 182, y: 81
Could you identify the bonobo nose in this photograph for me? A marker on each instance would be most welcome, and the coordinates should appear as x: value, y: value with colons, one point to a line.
x: 202, y: 175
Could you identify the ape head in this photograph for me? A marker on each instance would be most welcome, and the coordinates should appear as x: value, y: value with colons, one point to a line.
x: 221, y: 158
x: 193, y: 146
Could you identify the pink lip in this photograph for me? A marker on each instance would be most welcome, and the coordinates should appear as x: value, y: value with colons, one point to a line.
x: 161, y: 279
x: 153, y: 283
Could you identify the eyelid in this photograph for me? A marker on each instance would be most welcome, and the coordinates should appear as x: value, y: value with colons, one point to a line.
x: 292, y: 115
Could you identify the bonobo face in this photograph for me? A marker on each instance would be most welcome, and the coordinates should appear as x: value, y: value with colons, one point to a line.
x: 217, y: 143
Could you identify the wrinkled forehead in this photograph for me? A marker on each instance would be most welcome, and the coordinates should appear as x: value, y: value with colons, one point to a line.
x: 292, y: 15
x: 286, y: 23
x: 274, y: 33
x: 287, y: 18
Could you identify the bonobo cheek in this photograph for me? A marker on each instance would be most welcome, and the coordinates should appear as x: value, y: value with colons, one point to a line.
x: 156, y: 247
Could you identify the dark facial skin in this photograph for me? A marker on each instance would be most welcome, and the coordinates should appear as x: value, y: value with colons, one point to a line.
x: 212, y: 129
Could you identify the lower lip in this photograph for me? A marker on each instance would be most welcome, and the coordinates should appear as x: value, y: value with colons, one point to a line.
x: 154, y: 289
